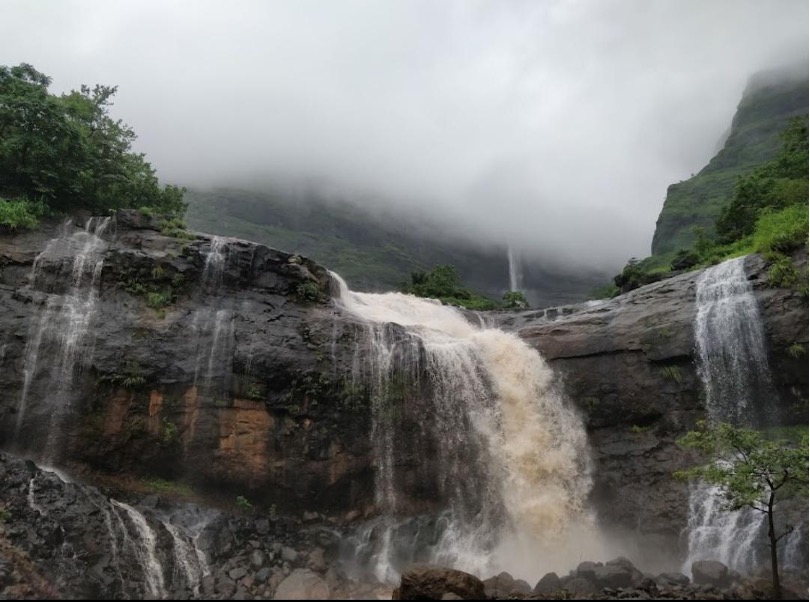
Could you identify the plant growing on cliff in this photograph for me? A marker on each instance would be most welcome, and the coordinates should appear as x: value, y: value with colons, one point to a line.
x: 515, y: 300
x: 242, y: 503
x: 672, y: 373
x: 752, y: 471
x: 308, y: 291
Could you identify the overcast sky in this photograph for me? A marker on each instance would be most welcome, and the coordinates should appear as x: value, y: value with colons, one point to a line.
x: 556, y: 124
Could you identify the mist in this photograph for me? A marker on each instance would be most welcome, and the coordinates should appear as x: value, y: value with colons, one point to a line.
x: 553, y: 126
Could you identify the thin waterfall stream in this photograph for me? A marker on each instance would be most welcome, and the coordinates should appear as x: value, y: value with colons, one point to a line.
x: 61, y: 332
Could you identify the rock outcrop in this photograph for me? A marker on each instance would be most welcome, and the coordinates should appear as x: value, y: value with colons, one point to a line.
x: 630, y: 366
x: 233, y: 377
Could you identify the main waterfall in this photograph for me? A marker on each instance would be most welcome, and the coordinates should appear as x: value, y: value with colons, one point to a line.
x: 468, y: 416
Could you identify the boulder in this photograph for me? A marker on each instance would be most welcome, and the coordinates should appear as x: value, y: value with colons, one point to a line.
x: 548, y: 584
x: 587, y: 569
x: 710, y: 572
x: 302, y: 584
x: 424, y: 582
x: 504, y: 584
x: 579, y: 586
x: 672, y: 579
x: 613, y: 576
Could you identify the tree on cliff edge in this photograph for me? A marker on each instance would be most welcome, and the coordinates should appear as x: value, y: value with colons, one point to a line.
x: 65, y: 152
x: 751, y: 470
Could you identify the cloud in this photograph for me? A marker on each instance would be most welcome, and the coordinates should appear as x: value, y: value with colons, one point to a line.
x: 556, y: 125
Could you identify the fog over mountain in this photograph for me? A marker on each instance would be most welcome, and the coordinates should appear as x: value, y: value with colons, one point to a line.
x: 555, y: 125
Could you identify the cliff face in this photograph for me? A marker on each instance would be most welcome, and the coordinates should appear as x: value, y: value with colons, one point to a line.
x: 767, y: 105
x: 630, y: 365
x: 213, y: 374
x: 224, y: 366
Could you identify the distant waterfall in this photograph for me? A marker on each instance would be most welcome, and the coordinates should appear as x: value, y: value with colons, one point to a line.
x: 62, y: 330
x: 472, y: 412
x: 734, y: 371
x: 515, y: 270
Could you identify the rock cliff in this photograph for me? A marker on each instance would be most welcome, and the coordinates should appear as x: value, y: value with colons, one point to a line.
x: 214, y: 375
x: 630, y: 365
x: 222, y: 365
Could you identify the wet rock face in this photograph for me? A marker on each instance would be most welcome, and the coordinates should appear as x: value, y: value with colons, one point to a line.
x: 630, y: 365
x: 233, y: 374
x: 67, y: 540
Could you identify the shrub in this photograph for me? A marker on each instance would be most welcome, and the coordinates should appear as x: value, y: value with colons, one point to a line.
x: 782, y: 273
x: 20, y: 214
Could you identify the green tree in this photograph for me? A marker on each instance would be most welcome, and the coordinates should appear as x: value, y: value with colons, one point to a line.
x: 751, y: 471
x: 443, y: 283
x: 515, y: 300
x: 69, y: 153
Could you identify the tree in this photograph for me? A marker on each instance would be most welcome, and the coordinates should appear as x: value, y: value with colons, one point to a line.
x: 750, y: 470
x: 515, y: 300
x: 68, y: 152
x: 443, y: 283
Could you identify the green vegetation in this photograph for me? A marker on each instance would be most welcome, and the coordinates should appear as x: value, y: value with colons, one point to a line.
x: 169, y: 434
x: 159, y: 485
x: 130, y: 376
x: 60, y: 153
x: 672, y: 373
x: 242, y: 503
x: 797, y: 351
x: 309, y: 291
x: 20, y: 214
x: 766, y: 213
x: 764, y: 111
x: 752, y: 471
x: 442, y: 283
x: 514, y: 300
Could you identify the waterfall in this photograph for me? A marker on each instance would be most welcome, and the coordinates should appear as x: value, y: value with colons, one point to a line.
x: 515, y: 270
x: 467, y: 415
x: 188, y: 557
x: 733, y: 362
x: 213, y: 326
x: 132, y: 532
x: 733, y: 368
x: 64, y: 324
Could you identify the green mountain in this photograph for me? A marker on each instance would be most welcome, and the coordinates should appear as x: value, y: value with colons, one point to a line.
x: 768, y: 103
x: 375, y: 251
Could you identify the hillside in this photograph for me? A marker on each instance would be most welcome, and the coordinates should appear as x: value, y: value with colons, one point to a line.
x: 373, y: 252
x: 768, y: 103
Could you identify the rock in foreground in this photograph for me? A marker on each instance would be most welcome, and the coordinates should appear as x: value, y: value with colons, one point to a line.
x: 422, y: 582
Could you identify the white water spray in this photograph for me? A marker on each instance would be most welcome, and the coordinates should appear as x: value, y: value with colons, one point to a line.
x: 509, y: 455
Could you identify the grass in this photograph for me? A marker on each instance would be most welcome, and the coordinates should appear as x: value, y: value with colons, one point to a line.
x: 781, y: 231
x: 158, y: 485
